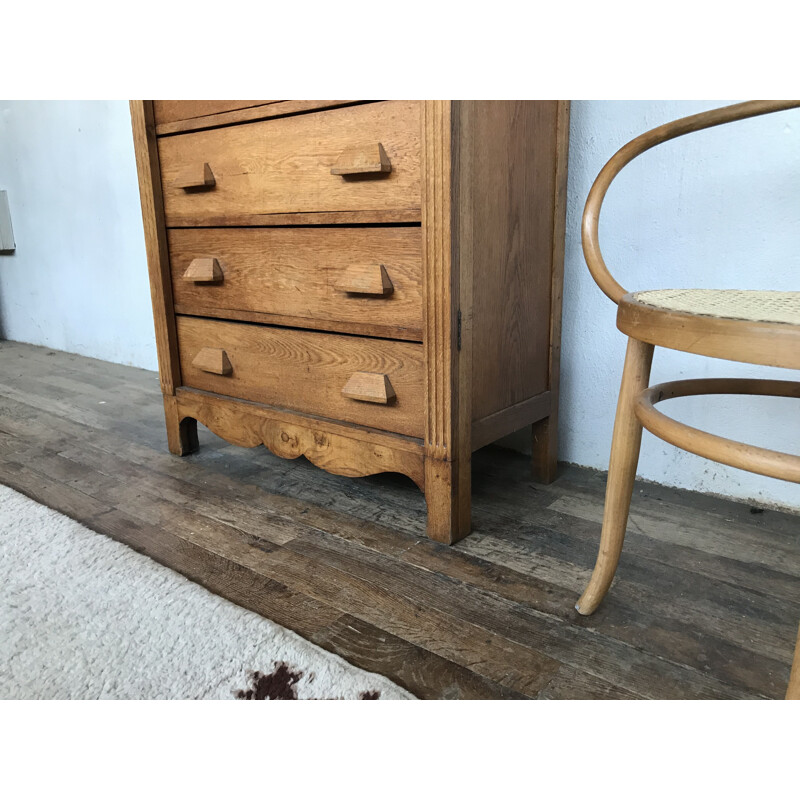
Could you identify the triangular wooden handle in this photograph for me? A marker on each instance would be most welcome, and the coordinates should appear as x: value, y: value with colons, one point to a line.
x: 370, y: 387
x: 195, y: 176
x: 214, y: 360
x: 204, y: 270
x: 362, y: 160
x: 366, y: 279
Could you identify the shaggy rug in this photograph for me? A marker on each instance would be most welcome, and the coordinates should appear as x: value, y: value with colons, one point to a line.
x: 83, y: 616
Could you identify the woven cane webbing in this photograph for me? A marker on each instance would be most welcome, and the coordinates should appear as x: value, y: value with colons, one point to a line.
x: 755, y: 306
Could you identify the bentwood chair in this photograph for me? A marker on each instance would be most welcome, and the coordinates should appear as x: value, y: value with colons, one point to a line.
x: 756, y: 327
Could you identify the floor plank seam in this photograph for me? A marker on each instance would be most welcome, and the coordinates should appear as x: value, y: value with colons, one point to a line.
x: 697, y: 613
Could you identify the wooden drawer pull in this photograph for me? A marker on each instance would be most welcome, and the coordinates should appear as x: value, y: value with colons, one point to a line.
x: 196, y: 176
x: 204, y: 270
x: 213, y: 359
x: 366, y: 279
x: 370, y: 387
x: 363, y: 160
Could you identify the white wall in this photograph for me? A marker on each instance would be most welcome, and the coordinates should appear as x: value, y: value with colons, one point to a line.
x: 78, y: 279
x: 720, y: 208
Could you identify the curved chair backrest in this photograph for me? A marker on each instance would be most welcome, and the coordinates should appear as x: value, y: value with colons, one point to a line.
x: 680, y: 127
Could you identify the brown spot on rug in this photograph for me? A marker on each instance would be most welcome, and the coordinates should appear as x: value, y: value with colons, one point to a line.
x: 281, y: 684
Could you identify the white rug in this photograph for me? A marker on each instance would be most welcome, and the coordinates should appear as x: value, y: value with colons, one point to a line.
x: 83, y: 616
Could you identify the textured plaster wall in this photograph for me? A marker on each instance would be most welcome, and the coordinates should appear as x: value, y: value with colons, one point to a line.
x: 78, y: 279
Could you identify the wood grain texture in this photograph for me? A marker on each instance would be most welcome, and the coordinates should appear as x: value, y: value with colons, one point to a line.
x: 625, y: 445
x: 147, y: 167
x: 428, y: 676
x: 370, y: 387
x: 283, y: 166
x: 374, y: 217
x: 181, y: 432
x: 447, y: 165
x: 333, y: 447
x: 367, y: 279
x: 306, y: 371
x: 793, y: 690
x: 266, y: 109
x: 203, y: 270
x: 501, y: 423
x: 440, y: 284
x: 197, y: 176
x: 365, y: 159
x: 544, y: 432
x: 760, y: 460
x: 513, y: 162
x: 544, y: 448
x: 214, y: 360
x: 705, y: 603
x: 174, y: 110
x: 300, y: 276
x: 447, y: 433
x: 369, y: 580
x: 773, y: 344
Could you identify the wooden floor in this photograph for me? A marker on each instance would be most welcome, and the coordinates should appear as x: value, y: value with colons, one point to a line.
x: 705, y: 605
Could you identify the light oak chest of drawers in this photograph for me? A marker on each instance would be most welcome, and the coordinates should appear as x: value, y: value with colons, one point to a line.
x: 373, y: 285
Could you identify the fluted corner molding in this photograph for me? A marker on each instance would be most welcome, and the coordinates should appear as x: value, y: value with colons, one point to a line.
x: 439, y: 321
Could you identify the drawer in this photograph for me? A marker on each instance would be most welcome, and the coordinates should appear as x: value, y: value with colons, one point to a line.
x: 179, y: 116
x: 167, y: 111
x: 315, y: 373
x: 357, y: 280
x: 242, y: 174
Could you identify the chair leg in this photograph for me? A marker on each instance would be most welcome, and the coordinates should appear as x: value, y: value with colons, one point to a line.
x: 625, y: 446
x: 793, y: 692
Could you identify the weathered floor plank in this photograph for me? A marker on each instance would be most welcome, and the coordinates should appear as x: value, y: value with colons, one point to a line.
x: 706, y: 601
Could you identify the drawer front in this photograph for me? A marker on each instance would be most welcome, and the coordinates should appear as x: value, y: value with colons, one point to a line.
x: 315, y: 373
x: 181, y: 116
x: 166, y: 111
x: 241, y: 174
x: 359, y: 280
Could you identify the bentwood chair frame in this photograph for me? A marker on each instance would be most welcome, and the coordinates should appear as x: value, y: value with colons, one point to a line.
x: 748, y: 340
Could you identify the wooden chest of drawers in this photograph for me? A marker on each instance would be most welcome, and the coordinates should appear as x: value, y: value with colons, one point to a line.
x: 373, y: 285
